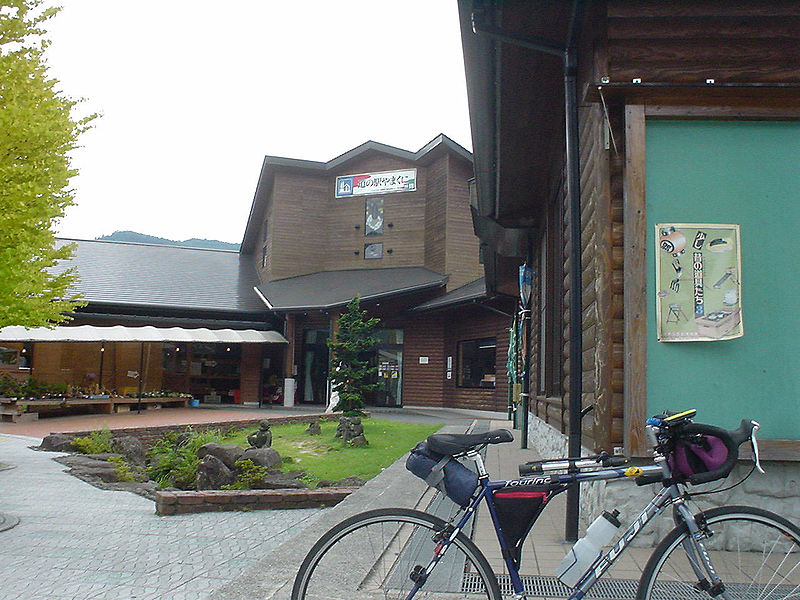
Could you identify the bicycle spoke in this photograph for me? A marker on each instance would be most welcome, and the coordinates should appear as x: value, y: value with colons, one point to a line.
x: 755, y: 556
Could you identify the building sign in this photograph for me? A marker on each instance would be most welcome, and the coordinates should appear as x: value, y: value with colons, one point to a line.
x: 386, y: 182
x: 698, y: 282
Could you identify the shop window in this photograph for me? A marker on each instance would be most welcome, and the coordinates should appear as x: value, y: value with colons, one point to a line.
x: 373, y: 219
x: 476, y: 363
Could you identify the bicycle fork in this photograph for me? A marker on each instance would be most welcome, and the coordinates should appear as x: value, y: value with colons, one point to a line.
x: 696, y: 553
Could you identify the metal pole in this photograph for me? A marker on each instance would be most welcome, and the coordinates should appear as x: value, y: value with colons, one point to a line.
x: 576, y: 280
x: 141, y: 366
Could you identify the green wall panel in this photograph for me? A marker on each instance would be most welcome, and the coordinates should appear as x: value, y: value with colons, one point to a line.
x: 745, y: 172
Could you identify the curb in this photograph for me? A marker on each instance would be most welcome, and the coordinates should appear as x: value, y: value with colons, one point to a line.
x: 178, y: 503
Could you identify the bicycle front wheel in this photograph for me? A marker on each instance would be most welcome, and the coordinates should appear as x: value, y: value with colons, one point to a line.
x: 755, y: 553
x: 375, y: 555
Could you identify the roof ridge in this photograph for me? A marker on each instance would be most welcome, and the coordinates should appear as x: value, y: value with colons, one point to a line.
x: 124, y: 243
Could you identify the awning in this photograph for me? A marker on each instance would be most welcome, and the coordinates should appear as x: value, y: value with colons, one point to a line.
x: 121, y: 333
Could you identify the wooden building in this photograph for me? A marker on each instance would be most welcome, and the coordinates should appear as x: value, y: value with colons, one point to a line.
x: 595, y: 124
x: 388, y: 225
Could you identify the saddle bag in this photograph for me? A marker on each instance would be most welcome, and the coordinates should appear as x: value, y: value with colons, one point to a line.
x: 443, y: 473
x: 517, y: 509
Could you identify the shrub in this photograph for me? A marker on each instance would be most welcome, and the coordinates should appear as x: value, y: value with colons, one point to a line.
x: 123, y: 470
x: 97, y: 442
x: 176, y: 466
x: 249, y: 476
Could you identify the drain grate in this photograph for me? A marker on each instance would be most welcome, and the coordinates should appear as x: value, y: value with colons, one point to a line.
x: 618, y: 589
x: 550, y: 587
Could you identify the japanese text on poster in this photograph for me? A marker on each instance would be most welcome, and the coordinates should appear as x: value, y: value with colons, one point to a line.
x: 698, y: 282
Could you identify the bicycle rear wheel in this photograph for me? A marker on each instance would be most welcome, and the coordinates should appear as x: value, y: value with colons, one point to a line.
x: 372, y: 555
x: 756, y: 554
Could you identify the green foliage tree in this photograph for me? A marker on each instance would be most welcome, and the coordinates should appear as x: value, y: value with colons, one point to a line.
x: 37, y: 133
x: 350, y: 373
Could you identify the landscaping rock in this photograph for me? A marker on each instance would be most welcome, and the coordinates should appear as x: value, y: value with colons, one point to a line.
x: 314, y: 428
x: 131, y: 449
x: 275, y: 481
x: 263, y: 457
x: 351, y: 481
x: 347, y: 482
x: 358, y: 441
x: 227, y: 453
x: 91, y: 468
x: 350, y: 428
x: 212, y: 474
x: 57, y: 442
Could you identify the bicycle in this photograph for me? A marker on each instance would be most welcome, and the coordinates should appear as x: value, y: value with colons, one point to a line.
x: 730, y: 552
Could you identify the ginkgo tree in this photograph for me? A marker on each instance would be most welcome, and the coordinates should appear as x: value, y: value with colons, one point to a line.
x: 37, y: 134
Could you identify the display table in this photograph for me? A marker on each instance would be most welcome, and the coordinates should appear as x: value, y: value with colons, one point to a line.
x: 14, y: 410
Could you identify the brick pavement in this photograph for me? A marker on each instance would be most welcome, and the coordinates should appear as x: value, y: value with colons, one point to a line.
x: 77, y: 542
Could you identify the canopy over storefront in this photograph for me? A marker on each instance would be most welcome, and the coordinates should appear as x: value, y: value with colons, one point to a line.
x: 121, y: 333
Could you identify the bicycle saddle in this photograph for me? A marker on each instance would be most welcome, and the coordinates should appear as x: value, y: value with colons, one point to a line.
x: 449, y: 444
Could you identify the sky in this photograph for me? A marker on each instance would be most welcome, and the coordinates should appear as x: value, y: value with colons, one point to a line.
x: 193, y: 95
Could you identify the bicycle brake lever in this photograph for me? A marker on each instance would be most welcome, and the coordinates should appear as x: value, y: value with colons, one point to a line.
x: 754, y: 442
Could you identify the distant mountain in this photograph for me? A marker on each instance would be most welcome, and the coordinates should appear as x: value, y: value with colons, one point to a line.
x: 141, y: 238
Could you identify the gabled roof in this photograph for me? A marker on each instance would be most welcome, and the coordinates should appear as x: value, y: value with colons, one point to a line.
x: 331, y: 289
x: 118, y: 273
x: 469, y: 292
x: 438, y: 146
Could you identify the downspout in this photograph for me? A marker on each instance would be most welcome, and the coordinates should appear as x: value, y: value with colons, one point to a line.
x: 568, y: 53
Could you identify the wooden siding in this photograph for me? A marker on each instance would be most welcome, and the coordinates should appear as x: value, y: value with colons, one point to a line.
x: 682, y: 42
x: 250, y: 373
x: 423, y: 384
x: 469, y: 323
x: 462, y: 245
x: 436, y: 216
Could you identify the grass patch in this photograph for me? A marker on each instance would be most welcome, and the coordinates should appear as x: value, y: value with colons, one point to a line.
x: 326, y: 457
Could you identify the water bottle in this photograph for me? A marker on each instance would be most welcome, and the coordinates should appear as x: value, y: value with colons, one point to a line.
x: 588, y: 548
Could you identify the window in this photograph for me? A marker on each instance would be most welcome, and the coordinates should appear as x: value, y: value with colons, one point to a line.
x: 476, y: 363
x: 373, y: 218
x: 264, y: 247
x: 373, y: 251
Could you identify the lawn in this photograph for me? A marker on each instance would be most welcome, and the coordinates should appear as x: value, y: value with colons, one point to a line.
x: 325, y: 457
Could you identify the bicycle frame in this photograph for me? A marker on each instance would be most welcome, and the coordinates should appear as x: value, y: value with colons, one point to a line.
x: 665, y: 497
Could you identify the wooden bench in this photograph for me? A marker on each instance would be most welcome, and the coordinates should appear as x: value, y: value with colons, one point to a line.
x: 16, y: 410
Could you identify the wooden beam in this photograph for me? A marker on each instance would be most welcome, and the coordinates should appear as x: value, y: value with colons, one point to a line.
x: 635, y: 296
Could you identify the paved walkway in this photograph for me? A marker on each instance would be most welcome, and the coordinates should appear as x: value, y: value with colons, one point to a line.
x: 74, y: 541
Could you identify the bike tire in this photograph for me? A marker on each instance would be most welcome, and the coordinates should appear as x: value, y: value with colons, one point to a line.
x: 756, y: 554
x: 371, y: 555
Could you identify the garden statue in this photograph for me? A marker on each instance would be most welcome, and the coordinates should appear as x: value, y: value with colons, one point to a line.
x: 262, y: 438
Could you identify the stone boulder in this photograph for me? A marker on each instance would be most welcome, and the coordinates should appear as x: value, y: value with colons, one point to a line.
x: 351, y: 431
x: 314, y: 428
x: 57, y: 442
x: 90, y: 468
x: 212, y: 474
x: 276, y: 481
x: 131, y: 449
x: 263, y: 457
x: 347, y: 482
x: 227, y: 453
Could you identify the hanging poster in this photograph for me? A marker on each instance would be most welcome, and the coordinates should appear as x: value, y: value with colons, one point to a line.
x: 698, y: 282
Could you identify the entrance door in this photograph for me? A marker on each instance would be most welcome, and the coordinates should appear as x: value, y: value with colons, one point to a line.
x: 390, y: 377
x: 314, y: 374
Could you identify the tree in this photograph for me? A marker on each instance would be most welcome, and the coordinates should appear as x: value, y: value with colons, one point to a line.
x: 350, y: 374
x: 37, y: 133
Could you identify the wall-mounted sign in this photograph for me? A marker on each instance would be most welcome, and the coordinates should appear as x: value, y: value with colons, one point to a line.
x: 698, y: 282
x: 386, y: 182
